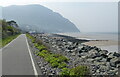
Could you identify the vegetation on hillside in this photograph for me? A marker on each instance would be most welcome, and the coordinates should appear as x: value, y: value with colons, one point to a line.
x: 8, y: 30
x: 58, y: 60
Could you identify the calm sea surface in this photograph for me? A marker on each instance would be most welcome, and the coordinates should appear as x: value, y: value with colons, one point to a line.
x: 96, y: 36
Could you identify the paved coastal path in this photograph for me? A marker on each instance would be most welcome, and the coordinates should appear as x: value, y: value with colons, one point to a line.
x: 17, y: 58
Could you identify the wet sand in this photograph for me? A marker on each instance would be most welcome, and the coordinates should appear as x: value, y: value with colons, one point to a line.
x: 109, y: 45
x: 104, y: 41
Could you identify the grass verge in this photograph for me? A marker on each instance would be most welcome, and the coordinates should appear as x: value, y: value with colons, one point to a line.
x: 8, y: 40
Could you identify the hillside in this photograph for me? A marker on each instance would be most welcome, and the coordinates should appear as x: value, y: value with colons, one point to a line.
x: 8, y: 30
x: 38, y: 18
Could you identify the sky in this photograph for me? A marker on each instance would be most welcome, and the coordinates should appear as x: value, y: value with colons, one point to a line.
x: 21, y: 2
x: 87, y: 15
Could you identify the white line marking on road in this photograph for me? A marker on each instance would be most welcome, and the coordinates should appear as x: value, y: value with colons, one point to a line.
x: 10, y: 42
x: 33, y: 64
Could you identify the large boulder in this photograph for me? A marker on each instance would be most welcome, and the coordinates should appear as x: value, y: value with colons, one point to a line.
x: 116, y: 54
x: 114, y: 62
x: 93, y: 54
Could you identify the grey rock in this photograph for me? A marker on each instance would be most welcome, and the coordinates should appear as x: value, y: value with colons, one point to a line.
x: 70, y: 43
x: 53, y: 72
x: 98, y: 71
x: 103, y: 69
x: 108, y: 64
x: 93, y: 54
x: 110, y: 55
x: 103, y: 52
x: 104, y: 55
x: 53, y: 45
x: 98, y: 59
x: 83, y: 57
x: 103, y: 60
x: 83, y: 54
x: 39, y: 62
x: 114, y: 62
x: 116, y: 73
x: 68, y: 50
x: 99, y: 63
x: 39, y: 65
x: 73, y: 54
x: 71, y: 47
x: 80, y: 46
x: 113, y: 72
x: 116, y: 54
x: 95, y: 67
x: 118, y: 65
x: 90, y: 60
x: 42, y: 68
x: 72, y: 51
x: 44, y: 73
x: 86, y: 48
x: 78, y: 49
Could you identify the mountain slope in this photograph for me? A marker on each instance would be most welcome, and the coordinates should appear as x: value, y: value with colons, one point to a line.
x: 39, y: 18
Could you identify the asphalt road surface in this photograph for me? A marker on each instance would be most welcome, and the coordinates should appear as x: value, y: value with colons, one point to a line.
x: 17, y: 58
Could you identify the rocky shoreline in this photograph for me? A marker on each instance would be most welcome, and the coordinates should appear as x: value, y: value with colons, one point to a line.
x: 101, y: 62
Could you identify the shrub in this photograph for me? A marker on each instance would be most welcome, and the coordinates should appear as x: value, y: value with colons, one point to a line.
x: 62, y: 65
x: 36, y: 52
x: 44, y: 51
x: 57, y: 55
x: 65, y: 71
x: 39, y: 42
x: 42, y: 54
x: 41, y: 47
x: 33, y: 40
x: 55, y: 64
x: 63, y: 58
x: 36, y: 45
x: 54, y: 60
x: 29, y: 36
x: 79, y: 70
x: 48, y: 58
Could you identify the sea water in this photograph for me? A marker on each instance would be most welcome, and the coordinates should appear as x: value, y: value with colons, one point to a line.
x: 110, y: 37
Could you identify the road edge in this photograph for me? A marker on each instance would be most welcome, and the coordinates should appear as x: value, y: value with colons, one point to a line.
x: 31, y: 57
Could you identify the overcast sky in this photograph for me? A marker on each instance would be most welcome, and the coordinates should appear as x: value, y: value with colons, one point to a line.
x: 21, y: 2
x: 89, y: 16
x: 92, y: 16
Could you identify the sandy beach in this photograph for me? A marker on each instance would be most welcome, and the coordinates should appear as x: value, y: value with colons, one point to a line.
x: 109, y: 45
x: 104, y: 41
